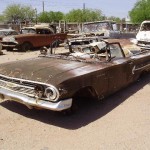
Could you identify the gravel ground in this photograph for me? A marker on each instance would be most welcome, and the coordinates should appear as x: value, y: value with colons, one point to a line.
x: 120, y: 122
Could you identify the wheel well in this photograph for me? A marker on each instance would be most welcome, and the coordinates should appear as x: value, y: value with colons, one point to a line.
x: 86, y: 92
x: 27, y: 42
x: 21, y: 47
x: 81, y: 97
x: 143, y: 73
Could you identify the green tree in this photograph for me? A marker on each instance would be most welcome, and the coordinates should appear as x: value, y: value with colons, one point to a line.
x: 116, y: 19
x: 140, y: 11
x: 58, y: 16
x: 86, y: 15
x: 2, y: 18
x: 51, y: 16
x: 18, y: 12
x: 44, y: 17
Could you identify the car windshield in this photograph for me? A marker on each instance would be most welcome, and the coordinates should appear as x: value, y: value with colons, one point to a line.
x: 43, y: 31
x: 145, y: 27
x: 5, y: 33
x: 93, y: 52
x: 26, y: 31
x: 116, y: 51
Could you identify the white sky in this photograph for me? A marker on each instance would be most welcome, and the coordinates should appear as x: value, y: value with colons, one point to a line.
x: 117, y: 8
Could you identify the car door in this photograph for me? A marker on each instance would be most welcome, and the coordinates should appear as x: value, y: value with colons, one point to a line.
x: 120, y: 73
x: 117, y: 76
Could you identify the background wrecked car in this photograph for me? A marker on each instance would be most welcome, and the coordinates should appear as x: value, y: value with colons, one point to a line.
x: 103, y: 29
x: 33, y: 37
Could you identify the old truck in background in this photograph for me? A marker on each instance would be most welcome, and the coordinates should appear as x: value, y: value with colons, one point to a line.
x: 143, y: 35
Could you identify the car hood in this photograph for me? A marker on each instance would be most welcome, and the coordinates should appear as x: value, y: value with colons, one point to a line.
x: 48, y: 70
x: 13, y: 37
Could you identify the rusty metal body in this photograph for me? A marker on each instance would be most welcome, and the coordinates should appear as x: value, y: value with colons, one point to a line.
x: 58, y: 79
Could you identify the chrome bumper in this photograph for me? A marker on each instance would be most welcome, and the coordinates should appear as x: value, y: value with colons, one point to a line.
x: 144, y: 46
x: 30, y: 102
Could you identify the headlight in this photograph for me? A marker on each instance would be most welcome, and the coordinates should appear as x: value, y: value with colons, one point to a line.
x: 51, y: 93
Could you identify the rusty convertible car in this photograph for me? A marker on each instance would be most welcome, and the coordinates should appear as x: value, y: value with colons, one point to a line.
x: 33, y: 37
x: 55, y: 80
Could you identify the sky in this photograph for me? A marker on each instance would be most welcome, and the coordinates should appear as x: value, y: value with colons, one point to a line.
x: 117, y: 8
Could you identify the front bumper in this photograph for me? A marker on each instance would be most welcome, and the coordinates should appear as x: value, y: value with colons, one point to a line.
x: 9, y: 44
x: 30, y: 102
x: 143, y: 44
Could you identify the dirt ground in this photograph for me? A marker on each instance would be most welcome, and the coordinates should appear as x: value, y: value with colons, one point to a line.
x: 120, y: 122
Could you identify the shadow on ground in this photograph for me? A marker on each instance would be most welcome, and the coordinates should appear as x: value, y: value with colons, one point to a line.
x: 20, y: 51
x: 90, y: 110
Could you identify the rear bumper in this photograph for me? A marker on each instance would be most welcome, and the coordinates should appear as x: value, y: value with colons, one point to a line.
x: 30, y: 102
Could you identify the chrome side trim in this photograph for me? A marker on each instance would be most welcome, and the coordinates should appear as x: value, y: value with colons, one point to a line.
x: 33, y: 102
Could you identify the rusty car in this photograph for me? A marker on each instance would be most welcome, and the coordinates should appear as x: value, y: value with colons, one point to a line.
x: 55, y: 81
x: 33, y: 37
x: 104, y: 29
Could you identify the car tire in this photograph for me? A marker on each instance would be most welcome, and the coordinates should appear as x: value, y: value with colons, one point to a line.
x: 26, y: 47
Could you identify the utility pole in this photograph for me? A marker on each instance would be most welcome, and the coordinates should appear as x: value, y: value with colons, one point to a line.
x: 83, y: 6
x: 84, y: 19
x: 43, y: 6
x: 35, y: 15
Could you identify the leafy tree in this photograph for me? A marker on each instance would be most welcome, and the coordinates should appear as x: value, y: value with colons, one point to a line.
x: 140, y: 12
x: 51, y: 16
x: 44, y: 17
x: 16, y: 12
x: 2, y: 18
x: 59, y: 16
x: 74, y: 16
x: 86, y: 15
x: 116, y: 19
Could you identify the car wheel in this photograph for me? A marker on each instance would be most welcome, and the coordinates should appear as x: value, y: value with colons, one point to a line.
x: 25, y: 47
